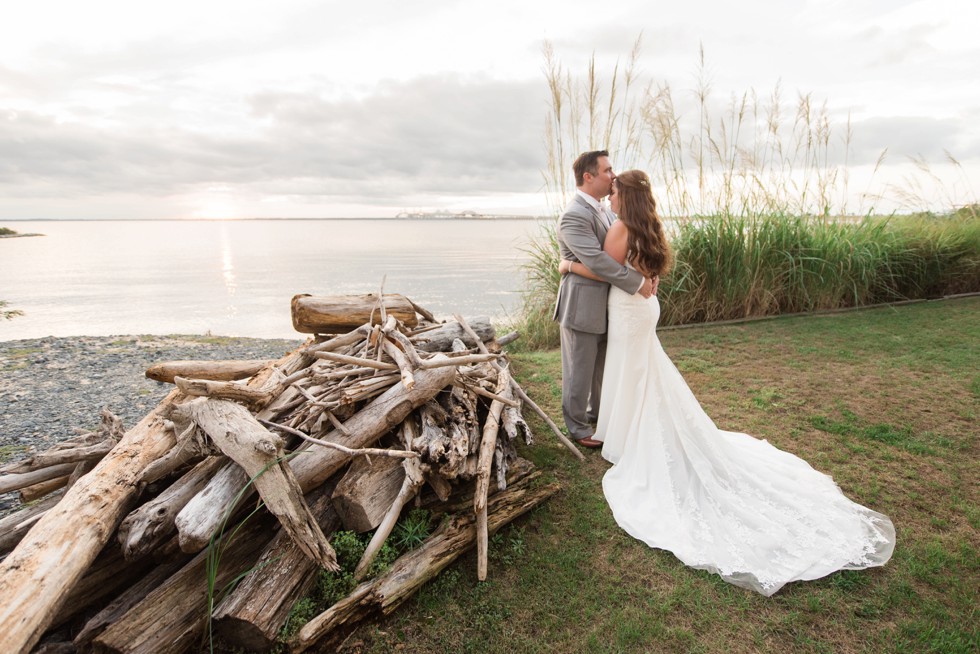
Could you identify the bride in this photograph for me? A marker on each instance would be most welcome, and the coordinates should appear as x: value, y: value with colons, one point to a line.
x: 720, y: 501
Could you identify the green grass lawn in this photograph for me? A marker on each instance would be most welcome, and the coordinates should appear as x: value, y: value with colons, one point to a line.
x: 886, y: 400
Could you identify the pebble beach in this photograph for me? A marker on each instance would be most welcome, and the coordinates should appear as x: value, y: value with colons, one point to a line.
x: 52, y: 387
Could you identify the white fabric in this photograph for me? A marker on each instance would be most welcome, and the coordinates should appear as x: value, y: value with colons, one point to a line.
x: 606, y: 215
x: 720, y: 501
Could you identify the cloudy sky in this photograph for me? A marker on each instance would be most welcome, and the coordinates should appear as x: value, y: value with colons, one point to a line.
x: 299, y: 108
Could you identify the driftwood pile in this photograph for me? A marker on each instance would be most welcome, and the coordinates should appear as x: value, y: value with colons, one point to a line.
x: 392, y: 408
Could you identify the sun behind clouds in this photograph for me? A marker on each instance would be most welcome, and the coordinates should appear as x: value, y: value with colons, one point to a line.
x: 215, y: 210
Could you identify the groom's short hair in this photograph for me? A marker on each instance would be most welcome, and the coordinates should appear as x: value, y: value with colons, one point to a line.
x: 587, y: 162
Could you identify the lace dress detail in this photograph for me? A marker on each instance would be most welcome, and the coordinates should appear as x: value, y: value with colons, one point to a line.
x: 720, y: 501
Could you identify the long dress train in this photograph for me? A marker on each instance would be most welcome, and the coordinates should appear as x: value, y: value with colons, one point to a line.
x: 719, y: 501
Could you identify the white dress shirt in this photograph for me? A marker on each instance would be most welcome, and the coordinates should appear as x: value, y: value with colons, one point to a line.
x: 604, y: 214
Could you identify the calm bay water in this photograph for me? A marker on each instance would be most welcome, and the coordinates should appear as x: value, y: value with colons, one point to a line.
x: 236, y: 278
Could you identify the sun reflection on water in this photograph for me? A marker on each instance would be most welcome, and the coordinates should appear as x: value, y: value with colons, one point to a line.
x: 228, y: 272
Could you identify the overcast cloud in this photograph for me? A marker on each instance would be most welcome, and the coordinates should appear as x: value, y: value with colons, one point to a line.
x: 221, y: 109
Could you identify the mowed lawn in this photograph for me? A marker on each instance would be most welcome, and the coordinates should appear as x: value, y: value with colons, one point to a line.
x: 886, y: 400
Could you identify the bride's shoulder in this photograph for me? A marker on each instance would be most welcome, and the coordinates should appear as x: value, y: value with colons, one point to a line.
x: 617, y: 229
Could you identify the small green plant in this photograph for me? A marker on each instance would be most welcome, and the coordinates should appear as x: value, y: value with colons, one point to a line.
x: 766, y: 398
x: 412, y: 530
x: 333, y: 586
x: 508, y: 546
x: 6, y: 231
x: 330, y: 587
x: 303, y: 611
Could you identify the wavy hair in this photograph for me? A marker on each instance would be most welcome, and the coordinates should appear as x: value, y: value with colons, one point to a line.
x: 647, y: 246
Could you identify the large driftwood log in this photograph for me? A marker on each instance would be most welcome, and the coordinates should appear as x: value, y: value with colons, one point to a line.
x: 384, y: 594
x: 35, y: 577
x: 222, y: 370
x: 333, y: 314
x: 125, y: 601
x: 153, y: 523
x: 171, y: 619
x: 251, y: 616
x: 441, y: 339
x: 108, y: 575
x: 260, y: 453
x: 367, y: 489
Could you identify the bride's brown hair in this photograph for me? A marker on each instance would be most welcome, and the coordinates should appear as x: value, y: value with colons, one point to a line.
x: 647, y: 246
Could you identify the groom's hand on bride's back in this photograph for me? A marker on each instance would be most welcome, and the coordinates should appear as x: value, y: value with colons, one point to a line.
x: 648, y: 288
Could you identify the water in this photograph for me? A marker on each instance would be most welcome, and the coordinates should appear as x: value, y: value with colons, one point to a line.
x: 236, y: 278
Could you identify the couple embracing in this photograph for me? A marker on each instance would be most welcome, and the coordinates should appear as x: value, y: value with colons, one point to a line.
x: 720, y: 501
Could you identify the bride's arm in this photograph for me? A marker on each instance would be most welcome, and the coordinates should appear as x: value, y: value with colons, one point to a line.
x: 577, y: 268
x: 614, y: 246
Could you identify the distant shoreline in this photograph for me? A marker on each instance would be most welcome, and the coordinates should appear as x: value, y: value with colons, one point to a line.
x: 18, y: 235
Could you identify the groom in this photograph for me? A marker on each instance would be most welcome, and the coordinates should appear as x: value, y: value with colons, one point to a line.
x: 581, y: 306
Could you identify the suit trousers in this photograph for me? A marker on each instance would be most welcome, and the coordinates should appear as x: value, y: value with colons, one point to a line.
x: 583, y: 356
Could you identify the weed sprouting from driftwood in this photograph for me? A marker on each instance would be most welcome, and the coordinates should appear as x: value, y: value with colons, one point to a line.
x: 218, y: 542
x: 412, y: 530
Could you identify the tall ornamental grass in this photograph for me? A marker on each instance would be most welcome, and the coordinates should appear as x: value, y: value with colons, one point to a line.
x: 731, y: 267
x: 755, y: 195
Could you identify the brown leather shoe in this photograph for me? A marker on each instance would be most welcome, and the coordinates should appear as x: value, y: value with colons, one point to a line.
x: 589, y: 442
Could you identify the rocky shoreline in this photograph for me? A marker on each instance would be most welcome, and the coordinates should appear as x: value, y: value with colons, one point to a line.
x: 52, y: 387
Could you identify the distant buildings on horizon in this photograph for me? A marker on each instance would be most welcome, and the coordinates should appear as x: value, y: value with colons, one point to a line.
x: 467, y: 214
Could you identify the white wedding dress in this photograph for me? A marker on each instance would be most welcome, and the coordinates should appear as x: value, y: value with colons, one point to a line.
x: 719, y: 501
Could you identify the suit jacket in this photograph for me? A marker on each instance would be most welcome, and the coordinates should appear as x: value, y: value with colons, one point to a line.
x: 581, y: 303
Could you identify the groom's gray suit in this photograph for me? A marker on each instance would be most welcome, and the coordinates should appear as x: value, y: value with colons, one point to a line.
x: 581, y: 311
